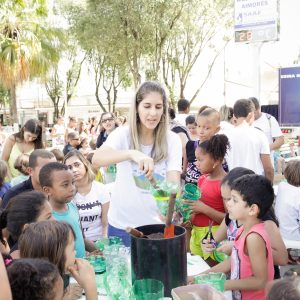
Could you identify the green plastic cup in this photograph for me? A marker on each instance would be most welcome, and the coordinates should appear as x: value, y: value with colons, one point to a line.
x: 220, y: 256
x: 216, y: 280
x: 115, y: 240
x: 98, y: 262
x: 100, y: 244
x: 147, y: 289
x: 190, y: 192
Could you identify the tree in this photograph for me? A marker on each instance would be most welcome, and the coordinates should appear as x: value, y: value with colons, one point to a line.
x: 55, y: 89
x: 4, y: 98
x: 161, y: 39
x: 75, y: 56
x: 202, y: 26
x: 62, y: 81
x: 28, y: 45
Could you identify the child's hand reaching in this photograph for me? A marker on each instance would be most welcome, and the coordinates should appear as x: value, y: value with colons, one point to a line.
x: 84, y: 274
x: 225, y: 247
x: 196, y: 206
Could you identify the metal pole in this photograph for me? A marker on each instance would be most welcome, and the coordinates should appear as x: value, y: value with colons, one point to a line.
x: 256, y: 70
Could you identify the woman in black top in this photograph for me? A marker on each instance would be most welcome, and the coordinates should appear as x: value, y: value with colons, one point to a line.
x: 107, y: 125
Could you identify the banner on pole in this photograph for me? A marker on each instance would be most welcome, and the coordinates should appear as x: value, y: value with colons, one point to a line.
x: 256, y: 20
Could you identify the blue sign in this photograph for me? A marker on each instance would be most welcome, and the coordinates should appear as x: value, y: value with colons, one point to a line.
x: 289, y: 96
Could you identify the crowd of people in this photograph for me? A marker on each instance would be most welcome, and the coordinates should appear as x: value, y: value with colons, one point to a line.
x: 94, y: 181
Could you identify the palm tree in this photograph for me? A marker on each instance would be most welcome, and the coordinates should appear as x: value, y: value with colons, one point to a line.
x: 28, y: 45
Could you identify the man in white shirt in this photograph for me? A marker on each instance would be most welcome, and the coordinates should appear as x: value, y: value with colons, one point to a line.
x: 183, y: 107
x: 269, y: 125
x: 249, y: 147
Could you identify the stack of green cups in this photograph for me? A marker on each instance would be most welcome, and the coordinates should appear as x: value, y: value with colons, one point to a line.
x: 161, y: 194
x: 216, y: 280
x: 190, y: 192
x: 147, y: 289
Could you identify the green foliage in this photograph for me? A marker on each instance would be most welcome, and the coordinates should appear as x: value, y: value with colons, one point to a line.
x: 28, y: 43
x: 152, y: 39
x: 4, y: 95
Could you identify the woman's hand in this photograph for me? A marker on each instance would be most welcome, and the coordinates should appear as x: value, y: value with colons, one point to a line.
x: 146, y: 163
x: 196, y: 206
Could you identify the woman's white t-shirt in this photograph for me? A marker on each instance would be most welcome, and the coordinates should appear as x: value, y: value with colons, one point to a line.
x: 90, y: 210
x: 131, y: 201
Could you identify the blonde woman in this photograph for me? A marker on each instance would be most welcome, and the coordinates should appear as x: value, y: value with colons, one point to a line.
x: 142, y: 150
x: 91, y: 199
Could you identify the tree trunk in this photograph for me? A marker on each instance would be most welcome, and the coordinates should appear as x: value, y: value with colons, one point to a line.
x: 13, y: 105
x: 182, y: 87
x: 56, y: 112
x: 115, y: 99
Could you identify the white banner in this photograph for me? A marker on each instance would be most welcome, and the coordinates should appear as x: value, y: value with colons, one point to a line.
x: 255, y: 14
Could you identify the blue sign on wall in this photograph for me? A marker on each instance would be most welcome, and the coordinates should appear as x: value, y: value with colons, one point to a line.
x: 289, y: 96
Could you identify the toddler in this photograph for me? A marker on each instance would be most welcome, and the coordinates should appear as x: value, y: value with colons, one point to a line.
x: 21, y: 164
x: 4, y: 186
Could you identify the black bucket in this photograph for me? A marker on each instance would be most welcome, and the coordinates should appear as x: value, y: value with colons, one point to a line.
x: 163, y: 259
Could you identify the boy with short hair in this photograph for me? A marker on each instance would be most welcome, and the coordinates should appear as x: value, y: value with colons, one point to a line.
x: 249, y: 147
x: 73, y: 142
x: 207, y: 125
x: 251, y: 262
x: 58, y: 183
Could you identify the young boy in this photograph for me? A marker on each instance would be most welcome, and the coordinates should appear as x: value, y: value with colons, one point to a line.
x: 58, y: 183
x: 251, y: 262
x: 207, y: 125
x: 73, y: 142
x: 249, y: 147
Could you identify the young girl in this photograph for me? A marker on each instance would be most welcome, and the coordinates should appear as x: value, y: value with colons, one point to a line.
x: 142, y: 150
x: 4, y: 186
x: 228, y: 228
x: 35, y: 279
x: 56, y: 241
x: 209, y: 211
x: 25, y: 141
x: 91, y: 199
x: 4, y: 283
x: 84, y: 147
x: 22, y: 209
x: 21, y: 164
